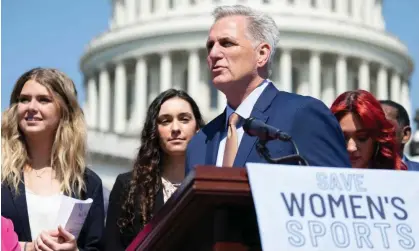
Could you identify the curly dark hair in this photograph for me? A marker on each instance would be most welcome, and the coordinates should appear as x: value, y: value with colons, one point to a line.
x: 146, y: 176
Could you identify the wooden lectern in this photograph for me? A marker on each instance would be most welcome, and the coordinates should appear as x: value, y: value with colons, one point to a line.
x: 212, y: 210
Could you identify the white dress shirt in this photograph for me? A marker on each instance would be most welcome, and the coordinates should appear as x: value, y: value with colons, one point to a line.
x: 244, y: 110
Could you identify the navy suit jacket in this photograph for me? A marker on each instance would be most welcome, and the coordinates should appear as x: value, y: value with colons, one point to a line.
x: 15, y: 208
x: 310, y: 123
x: 412, y: 165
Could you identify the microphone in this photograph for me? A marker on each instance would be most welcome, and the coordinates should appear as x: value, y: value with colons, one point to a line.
x: 264, y: 132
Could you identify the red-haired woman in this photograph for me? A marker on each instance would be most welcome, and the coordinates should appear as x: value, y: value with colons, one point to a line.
x: 370, y: 137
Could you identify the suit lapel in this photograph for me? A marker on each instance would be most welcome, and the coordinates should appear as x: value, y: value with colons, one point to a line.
x: 22, y: 209
x: 258, y: 112
x: 213, y: 141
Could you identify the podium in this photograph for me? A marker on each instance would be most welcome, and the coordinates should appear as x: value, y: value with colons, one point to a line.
x: 212, y: 210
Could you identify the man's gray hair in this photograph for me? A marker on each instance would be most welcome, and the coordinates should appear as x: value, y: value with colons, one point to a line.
x: 261, y: 27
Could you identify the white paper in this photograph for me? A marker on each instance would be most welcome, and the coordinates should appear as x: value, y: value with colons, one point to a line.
x: 315, y: 208
x: 73, y: 213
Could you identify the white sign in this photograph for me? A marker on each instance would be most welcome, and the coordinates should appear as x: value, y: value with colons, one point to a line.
x: 314, y: 208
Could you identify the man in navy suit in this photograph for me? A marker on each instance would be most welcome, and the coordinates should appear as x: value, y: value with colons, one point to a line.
x: 398, y: 116
x: 241, y: 46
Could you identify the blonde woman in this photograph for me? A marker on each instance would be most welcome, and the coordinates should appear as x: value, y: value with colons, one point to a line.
x: 43, y: 136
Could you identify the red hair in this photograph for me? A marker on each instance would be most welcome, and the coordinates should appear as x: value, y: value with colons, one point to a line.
x: 364, y: 105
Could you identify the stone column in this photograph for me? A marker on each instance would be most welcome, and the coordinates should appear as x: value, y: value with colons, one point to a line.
x: 357, y: 9
x: 120, y: 17
x: 131, y: 7
x: 342, y: 8
x: 405, y: 97
x: 92, y: 102
x: 285, y: 69
x: 395, y: 87
x: 141, y: 105
x: 364, y: 76
x: 165, y: 72
x: 328, y: 92
x: 145, y: 8
x: 315, y: 74
x: 324, y: 5
x: 181, y: 4
x: 382, y: 82
x: 162, y: 6
x: 368, y: 6
x: 378, y: 17
x: 104, y: 99
x: 193, y: 75
x: 120, y: 115
x: 303, y: 4
x: 341, y: 75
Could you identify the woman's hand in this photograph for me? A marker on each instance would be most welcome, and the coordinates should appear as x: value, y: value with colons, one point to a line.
x: 30, y: 246
x: 56, y: 240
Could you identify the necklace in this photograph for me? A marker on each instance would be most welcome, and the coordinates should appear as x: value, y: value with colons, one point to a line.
x: 39, y: 175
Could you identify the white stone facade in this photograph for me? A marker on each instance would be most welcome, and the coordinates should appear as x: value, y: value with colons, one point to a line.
x: 326, y: 47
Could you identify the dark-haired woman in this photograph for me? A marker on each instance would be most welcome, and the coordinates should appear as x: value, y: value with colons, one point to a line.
x: 173, y: 118
x: 370, y: 137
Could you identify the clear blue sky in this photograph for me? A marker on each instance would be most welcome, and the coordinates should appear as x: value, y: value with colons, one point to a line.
x: 52, y: 33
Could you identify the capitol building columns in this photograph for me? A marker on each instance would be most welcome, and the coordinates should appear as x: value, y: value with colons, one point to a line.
x: 395, y: 87
x: 405, y: 97
x: 131, y: 11
x: 104, y: 99
x: 92, y: 102
x: 364, y: 76
x: 140, y: 103
x: 145, y: 8
x: 315, y: 74
x: 193, y: 75
x: 327, y: 83
x: 326, y: 47
x: 165, y: 71
x: 382, y: 83
x: 341, y: 74
x: 120, y: 101
x: 119, y: 93
x: 285, y: 69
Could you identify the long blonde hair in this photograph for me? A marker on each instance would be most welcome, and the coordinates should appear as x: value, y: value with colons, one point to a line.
x: 69, y: 147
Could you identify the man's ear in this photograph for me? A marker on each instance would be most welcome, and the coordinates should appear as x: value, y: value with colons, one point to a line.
x: 406, y: 134
x: 263, y: 54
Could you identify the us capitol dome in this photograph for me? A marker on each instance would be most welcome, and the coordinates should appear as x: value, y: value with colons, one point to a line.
x: 326, y: 47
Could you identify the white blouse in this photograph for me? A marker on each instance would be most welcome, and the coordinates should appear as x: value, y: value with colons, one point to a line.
x: 168, y: 189
x: 42, y: 212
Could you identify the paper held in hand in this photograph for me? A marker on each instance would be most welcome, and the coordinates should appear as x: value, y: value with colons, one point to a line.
x: 73, y: 213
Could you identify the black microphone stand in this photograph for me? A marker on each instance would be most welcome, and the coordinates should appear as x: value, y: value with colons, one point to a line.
x: 264, y: 152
